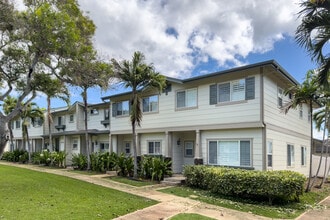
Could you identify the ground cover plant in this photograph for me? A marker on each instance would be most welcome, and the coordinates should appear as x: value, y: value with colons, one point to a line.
x: 281, y: 210
x: 27, y: 194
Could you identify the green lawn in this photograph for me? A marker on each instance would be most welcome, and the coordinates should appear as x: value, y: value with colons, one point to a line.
x: 26, y: 194
x: 283, y: 211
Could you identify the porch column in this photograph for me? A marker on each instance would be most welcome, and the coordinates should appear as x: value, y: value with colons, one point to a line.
x: 114, y: 139
x: 167, y: 146
x: 198, y: 158
x: 110, y: 143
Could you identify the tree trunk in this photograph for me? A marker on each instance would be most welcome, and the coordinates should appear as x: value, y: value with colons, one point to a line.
x: 28, y: 142
x: 308, y: 187
x: 3, y: 135
x: 49, y: 118
x: 86, y: 129
x: 11, y: 136
x: 134, y: 149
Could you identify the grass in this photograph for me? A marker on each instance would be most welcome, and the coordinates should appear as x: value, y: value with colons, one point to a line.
x: 27, y: 194
x: 284, y: 211
x: 130, y: 181
x: 190, y: 216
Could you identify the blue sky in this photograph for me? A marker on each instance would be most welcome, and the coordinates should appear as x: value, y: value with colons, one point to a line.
x: 191, y: 37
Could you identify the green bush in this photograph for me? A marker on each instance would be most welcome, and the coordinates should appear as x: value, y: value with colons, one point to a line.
x: 24, y: 157
x: 8, y: 156
x: 102, y: 162
x: 270, y: 185
x: 17, y: 155
x: 155, y: 168
x: 79, y: 161
x: 124, y: 165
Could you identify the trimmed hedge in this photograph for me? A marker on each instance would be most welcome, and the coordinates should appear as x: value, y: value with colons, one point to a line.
x: 284, y: 185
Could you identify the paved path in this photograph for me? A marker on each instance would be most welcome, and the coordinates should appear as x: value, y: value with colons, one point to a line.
x: 169, y: 205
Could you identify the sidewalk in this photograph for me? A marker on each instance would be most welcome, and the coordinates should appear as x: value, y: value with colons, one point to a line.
x: 170, y: 205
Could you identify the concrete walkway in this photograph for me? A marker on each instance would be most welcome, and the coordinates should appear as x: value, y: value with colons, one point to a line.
x: 169, y: 205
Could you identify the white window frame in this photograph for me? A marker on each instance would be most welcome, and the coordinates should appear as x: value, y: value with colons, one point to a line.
x: 290, y: 155
x: 123, y: 112
x: 127, y: 147
x: 229, y: 153
x: 269, y: 153
x: 75, y: 143
x: 18, y: 124
x: 154, y: 150
x: 104, y: 146
x: 71, y: 118
x: 193, y: 98
x: 235, y: 87
x: 303, y: 155
x: 301, y: 111
x: 153, y: 106
x: 189, y: 149
x: 280, y: 97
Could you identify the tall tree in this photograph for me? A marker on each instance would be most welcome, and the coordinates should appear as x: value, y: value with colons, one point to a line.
x: 8, y: 106
x: 53, y: 88
x: 41, y: 39
x: 314, y: 34
x: 85, y: 73
x: 138, y: 76
x: 305, y: 93
x: 30, y: 115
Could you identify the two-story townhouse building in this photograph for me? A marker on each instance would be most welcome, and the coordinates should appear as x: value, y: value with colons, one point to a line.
x: 228, y: 118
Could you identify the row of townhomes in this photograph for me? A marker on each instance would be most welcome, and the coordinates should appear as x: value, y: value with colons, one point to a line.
x: 228, y: 118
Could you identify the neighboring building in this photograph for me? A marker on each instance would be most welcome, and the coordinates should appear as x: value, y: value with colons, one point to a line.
x: 228, y: 118
x: 318, y: 147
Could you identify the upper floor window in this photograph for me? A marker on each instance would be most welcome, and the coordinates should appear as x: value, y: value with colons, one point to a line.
x: 150, y: 104
x: 106, y: 114
x: 120, y: 108
x: 59, y: 120
x: 37, y: 122
x: 237, y: 90
x: 94, y: 111
x: 18, y: 124
x: 186, y: 98
x: 71, y: 118
x: 230, y: 153
x: 301, y: 112
x: 280, y: 95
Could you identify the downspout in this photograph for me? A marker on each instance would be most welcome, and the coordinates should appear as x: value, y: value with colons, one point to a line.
x: 262, y: 118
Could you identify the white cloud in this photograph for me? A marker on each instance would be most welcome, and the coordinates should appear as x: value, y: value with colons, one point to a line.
x: 178, y: 35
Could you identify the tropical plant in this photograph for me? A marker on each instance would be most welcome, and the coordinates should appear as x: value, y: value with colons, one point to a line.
x: 8, y: 106
x: 305, y: 93
x: 314, y: 34
x: 124, y: 165
x: 138, y: 76
x: 155, y: 168
x: 79, y: 161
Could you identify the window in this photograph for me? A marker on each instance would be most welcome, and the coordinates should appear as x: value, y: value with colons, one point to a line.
x: 94, y: 111
x: 37, y: 122
x: 230, y: 153
x: 71, y: 118
x: 120, y: 108
x: 104, y: 147
x: 127, y: 148
x: 237, y: 90
x: 12, y: 124
x: 303, y: 155
x: 269, y: 154
x: 280, y: 97
x: 75, y: 144
x: 290, y: 155
x: 154, y: 147
x: 186, y: 98
x: 189, y: 149
x: 150, y: 104
x: 18, y: 124
x: 59, y: 120
x: 309, y: 116
x: 301, y: 113
x: 106, y: 114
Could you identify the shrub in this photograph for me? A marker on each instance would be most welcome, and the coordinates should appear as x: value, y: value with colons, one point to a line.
x: 124, y: 165
x: 155, y: 168
x: 79, y: 161
x: 61, y: 156
x: 284, y: 185
x: 17, y: 154
x: 102, y: 162
x: 8, y: 156
x: 24, y: 157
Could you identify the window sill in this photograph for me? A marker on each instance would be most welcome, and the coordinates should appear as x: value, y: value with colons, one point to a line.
x: 231, y: 103
x: 185, y: 108
x: 150, y: 113
x: 235, y: 167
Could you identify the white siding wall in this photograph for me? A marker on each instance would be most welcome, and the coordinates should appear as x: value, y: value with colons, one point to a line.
x: 280, y: 141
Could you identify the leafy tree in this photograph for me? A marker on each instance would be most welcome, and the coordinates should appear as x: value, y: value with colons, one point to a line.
x: 314, y: 33
x: 86, y: 73
x: 41, y: 39
x: 53, y: 88
x: 305, y: 93
x: 138, y: 76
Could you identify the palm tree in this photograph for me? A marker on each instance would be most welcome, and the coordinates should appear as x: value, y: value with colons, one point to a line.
x: 8, y: 106
x: 138, y: 76
x: 29, y: 115
x: 306, y: 93
x: 314, y: 33
x: 53, y: 88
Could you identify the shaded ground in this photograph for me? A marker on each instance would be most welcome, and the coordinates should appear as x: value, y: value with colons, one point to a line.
x: 171, y: 205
